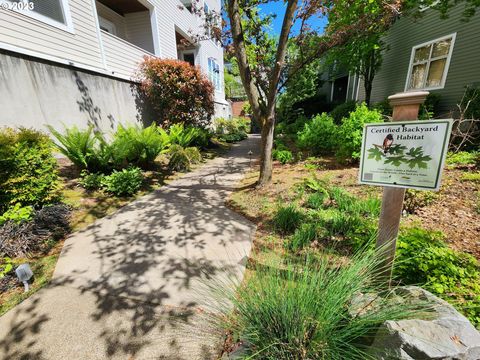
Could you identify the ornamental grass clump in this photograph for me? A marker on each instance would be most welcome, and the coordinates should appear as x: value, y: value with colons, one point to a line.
x: 306, y: 311
x: 287, y: 219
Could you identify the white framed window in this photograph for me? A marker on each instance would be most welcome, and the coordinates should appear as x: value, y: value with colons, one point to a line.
x: 107, y: 25
x: 429, y: 63
x: 214, y: 73
x: 188, y: 5
x: 51, y: 12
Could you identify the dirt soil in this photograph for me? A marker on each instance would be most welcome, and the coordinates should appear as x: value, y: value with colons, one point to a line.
x: 455, y: 210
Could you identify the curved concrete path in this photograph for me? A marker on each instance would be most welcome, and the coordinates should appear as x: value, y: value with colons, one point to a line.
x: 132, y: 285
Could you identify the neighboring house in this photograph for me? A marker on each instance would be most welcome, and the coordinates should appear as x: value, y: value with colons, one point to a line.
x: 72, y: 61
x: 430, y: 53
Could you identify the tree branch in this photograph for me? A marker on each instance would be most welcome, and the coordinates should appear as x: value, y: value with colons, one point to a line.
x: 281, y: 52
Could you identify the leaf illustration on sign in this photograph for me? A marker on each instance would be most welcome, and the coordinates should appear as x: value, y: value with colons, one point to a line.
x: 414, y: 152
x: 420, y: 161
x: 397, y: 149
x: 396, y: 156
x: 375, y: 153
x: 395, y: 160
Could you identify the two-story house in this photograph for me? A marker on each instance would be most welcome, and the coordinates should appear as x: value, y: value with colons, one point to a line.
x: 73, y: 61
x: 429, y: 53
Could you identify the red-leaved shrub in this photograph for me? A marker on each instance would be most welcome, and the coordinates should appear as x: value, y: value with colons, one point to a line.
x: 177, y: 91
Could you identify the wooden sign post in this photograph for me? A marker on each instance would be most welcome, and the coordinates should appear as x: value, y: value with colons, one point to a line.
x: 405, y: 107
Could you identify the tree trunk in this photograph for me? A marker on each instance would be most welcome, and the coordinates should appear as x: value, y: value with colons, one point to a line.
x: 266, y: 151
x: 368, y: 91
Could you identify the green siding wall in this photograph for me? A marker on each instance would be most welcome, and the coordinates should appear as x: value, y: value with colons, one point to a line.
x: 406, y: 33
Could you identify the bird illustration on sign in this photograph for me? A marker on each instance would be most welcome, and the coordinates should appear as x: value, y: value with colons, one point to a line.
x: 396, y: 154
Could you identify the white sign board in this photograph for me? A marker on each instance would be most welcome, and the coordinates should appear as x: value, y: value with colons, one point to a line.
x: 408, y: 154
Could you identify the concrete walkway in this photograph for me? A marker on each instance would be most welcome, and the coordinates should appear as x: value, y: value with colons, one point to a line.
x: 132, y: 285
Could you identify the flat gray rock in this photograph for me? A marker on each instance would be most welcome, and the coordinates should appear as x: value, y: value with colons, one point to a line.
x: 447, y: 336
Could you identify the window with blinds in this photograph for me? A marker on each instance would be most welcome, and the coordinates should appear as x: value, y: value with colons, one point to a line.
x: 429, y: 64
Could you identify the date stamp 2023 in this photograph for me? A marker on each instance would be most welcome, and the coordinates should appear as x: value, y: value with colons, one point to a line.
x: 17, y: 5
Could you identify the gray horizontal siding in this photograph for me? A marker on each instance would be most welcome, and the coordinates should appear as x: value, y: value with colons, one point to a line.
x: 407, y: 33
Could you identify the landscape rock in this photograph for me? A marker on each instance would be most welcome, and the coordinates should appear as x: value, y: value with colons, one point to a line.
x: 448, y: 335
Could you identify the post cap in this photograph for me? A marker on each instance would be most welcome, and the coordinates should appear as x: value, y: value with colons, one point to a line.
x: 408, y: 98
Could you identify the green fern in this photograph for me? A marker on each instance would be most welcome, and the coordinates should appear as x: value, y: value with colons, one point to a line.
x: 77, y: 145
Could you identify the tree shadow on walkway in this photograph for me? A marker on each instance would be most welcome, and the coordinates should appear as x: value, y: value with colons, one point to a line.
x: 135, y: 280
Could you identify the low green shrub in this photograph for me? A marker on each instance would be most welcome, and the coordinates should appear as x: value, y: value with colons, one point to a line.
x: 92, y: 181
x: 314, y: 184
x: 342, y: 111
x: 139, y: 146
x: 349, y: 136
x: 291, y: 128
x: 429, y: 109
x: 475, y: 177
x: 6, y: 265
x: 28, y: 170
x: 124, y: 183
x: 231, y: 138
x: 341, y: 215
x: 317, y: 199
x: 232, y: 130
x: 284, y: 156
x: 417, y: 199
x: 17, y: 214
x: 424, y: 259
x: 384, y: 107
x: 182, y: 159
x: 229, y: 126
x: 287, y: 219
x: 339, y: 223
x: 463, y: 158
x: 302, y: 237
x: 305, y: 311
x: 318, y: 135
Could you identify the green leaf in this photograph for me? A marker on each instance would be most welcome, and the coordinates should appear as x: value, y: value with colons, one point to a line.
x: 421, y: 162
x: 415, y: 152
x: 397, y: 149
x: 375, y: 153
x: 395, y: 160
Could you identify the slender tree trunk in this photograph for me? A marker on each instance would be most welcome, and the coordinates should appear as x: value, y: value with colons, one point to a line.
x: 266, y: 166
x: 368, y: 91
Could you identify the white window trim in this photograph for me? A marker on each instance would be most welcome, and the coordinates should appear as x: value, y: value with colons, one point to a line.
x: 107, y: 24
x: 215, y: 76
x: 447, y: 64
x: 68, y: 26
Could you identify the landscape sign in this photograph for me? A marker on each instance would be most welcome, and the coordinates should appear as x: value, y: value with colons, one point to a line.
x: 408, y: 154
